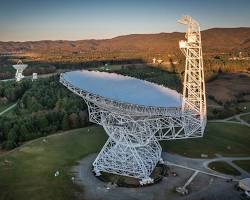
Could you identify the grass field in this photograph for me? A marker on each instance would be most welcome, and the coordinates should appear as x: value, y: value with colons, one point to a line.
x: 223, y: 138
x: 224, y: 168
x: 28, y: 173
x: 244, y: 164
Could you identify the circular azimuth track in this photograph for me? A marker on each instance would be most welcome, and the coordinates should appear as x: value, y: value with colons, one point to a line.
x: 132, y: 148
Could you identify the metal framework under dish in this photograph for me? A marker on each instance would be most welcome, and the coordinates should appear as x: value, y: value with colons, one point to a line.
x: 134, y: 131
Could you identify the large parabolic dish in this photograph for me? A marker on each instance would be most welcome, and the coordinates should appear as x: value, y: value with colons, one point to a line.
x: 137, y: 114
x: 124, y: 89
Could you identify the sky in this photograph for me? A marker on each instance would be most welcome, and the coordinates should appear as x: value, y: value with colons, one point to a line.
x: 31, y: 20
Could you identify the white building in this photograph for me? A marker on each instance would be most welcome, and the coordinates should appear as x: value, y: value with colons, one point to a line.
x: 154, y: 60
x: 34, y: 76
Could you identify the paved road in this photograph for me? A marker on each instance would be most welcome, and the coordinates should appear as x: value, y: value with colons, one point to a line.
x: 7, y: 109
x: 214, y: 106
x: 203, y: 186
x: 202, y: 164
x: 229, y: 160
x: 237, y: 117
x: 38, y: 76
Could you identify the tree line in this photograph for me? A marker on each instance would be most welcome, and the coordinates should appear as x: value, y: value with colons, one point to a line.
x: 43, y: 108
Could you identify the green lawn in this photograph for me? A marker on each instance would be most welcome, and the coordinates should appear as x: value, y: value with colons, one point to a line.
x: 224, y: 168
x: 246, y: 118
x: 29, y: 172
x: 244, y: 164
x: 223, y: 138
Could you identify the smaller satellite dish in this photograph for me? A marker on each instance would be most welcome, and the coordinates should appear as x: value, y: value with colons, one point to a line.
x: 19, y: 70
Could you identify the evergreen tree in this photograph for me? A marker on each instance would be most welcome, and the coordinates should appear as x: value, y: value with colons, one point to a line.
x: 65, y: 122
x: 74, y: 120
x: 42, y: 122
x: 83, y: 117
x: 12, y: 139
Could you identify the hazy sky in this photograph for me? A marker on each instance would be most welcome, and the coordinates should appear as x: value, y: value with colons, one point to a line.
x: 22, y: 20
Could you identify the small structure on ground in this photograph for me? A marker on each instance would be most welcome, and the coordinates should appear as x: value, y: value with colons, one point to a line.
x: 159, y: 61
x: 34, y: 76
x: 183, y: 190
x: 57, y: 173
x: 204, y: 155
x: 244, y: 184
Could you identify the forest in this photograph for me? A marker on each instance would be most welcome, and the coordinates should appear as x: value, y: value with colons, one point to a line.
x: 213, y: 65
x: 43, y: 107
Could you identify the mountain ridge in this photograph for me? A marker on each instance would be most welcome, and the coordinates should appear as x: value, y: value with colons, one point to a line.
x: 222, y: 39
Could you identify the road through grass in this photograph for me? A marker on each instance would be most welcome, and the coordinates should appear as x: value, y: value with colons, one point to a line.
x: 246, y: 118
x: 224, y: 168
x: 244, y: 164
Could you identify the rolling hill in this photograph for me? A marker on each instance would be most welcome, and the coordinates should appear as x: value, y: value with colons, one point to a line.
x: 214, y: 40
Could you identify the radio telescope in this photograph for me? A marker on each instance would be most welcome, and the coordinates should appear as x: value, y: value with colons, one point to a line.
x: 137, y: 114
x: 19, y: 70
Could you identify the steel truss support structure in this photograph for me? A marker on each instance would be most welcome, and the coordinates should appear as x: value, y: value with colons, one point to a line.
x: 134, y: 130
x: 194, y: 98
x: 132, y: 148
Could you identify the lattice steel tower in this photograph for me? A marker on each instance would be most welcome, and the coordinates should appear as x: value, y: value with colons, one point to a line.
x: 194, y: 98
